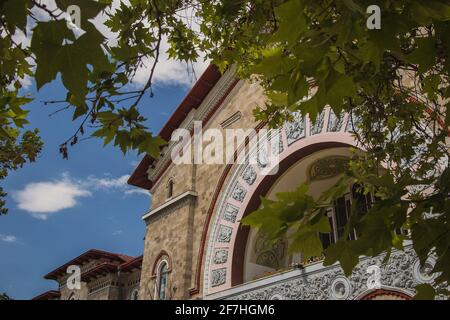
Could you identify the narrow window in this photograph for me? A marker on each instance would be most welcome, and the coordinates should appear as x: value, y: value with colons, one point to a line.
x: 162, y: 281
x: 170, y: 189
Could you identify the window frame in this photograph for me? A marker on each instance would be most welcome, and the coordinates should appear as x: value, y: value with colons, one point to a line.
x: 159, y: 273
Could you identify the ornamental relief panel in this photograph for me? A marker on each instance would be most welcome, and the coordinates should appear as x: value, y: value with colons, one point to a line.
x: 331, y: 283
x: 328, y: 167
x: 220, y: 256
x: 239, y: 193
x: 224, y: 234
x: 230, y: 213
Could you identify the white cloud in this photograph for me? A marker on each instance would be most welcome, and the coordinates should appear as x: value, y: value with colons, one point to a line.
x: 107, y: 183
x: 8, y: 238
x: 44, y: 198
x: 137, y: 191
x: 41, y: 199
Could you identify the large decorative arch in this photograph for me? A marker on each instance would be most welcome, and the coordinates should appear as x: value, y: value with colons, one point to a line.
x: 245, y: 182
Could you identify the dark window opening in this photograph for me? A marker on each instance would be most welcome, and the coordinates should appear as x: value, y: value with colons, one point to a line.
x: 170, y: 189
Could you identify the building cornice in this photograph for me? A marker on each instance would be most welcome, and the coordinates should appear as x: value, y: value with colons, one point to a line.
x: 171, y: 204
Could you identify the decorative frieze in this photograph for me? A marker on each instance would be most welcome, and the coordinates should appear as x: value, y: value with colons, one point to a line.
x: 224, y: 234
x: 249, y: 175
x: 296, y: 129
x: 230, y: 213
x: 239, y: 193
x: 334, y: 122
x: 218, y: 277
x: 317, y: 127
x: 400, y: 272
x: 220, y: 256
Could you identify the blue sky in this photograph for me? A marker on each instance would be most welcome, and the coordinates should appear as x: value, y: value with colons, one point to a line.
x: 61, y: 208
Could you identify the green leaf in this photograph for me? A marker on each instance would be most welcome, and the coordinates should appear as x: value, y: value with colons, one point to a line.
x: 344, y: 252
x: 425, y: 292
x: 424, y: 55
x: 47, y: 44
x: 292, y: 22
x: 152, y: 146
x: 74, y: 72
x: 306, y: 240
x: 16, y: 12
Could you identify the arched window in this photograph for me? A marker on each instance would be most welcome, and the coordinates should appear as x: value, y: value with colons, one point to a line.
x: 134, y: 295
x: 340, y: 212
x: 170, y: 188
x: 162, y: 280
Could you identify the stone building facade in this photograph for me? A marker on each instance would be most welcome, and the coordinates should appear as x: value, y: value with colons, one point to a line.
x: 195, y: 246
x: 103, y: 276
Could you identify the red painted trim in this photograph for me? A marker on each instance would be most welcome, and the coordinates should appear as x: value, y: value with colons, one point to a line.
x: 136, y: 263
x: 161, y: 255
x: 385, y: 292
x: 218, y: 189
x: 88, y: 255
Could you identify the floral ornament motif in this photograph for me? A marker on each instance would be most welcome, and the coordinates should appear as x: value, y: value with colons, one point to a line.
x: 220, y: 256
x: 230, y: 213
x: 296, y: 129
x: 249, y: 175
x: 317, y: 127
x: 218, y: 277
x: 224, y: 234
x: 239, y: 193
x: 328, y: 167
x: 335, y: 123
x: 331, y: 283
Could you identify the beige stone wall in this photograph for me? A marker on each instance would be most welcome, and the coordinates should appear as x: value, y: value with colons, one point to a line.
x: 170, y: 232
x: 179, y: 231
x: 183, y: 178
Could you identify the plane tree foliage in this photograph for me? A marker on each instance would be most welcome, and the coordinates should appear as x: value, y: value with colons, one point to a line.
x: 307, y: 54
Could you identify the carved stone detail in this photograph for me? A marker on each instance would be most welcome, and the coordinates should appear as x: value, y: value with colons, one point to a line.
x: 224, y: 234
x: 249, y: 175
x: 239, y: 193
x: 220, y: 256
x: 353, y: 121
x: 296, y: 129
x: 230, y: 213
x: 273, y: 142
x: 218, y: 277
x: 317, y: 127
x: 340, y: 288
x: 423, y: 274
x: 328, y: 167
x: 334, y: 122
x: 331, y: 283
